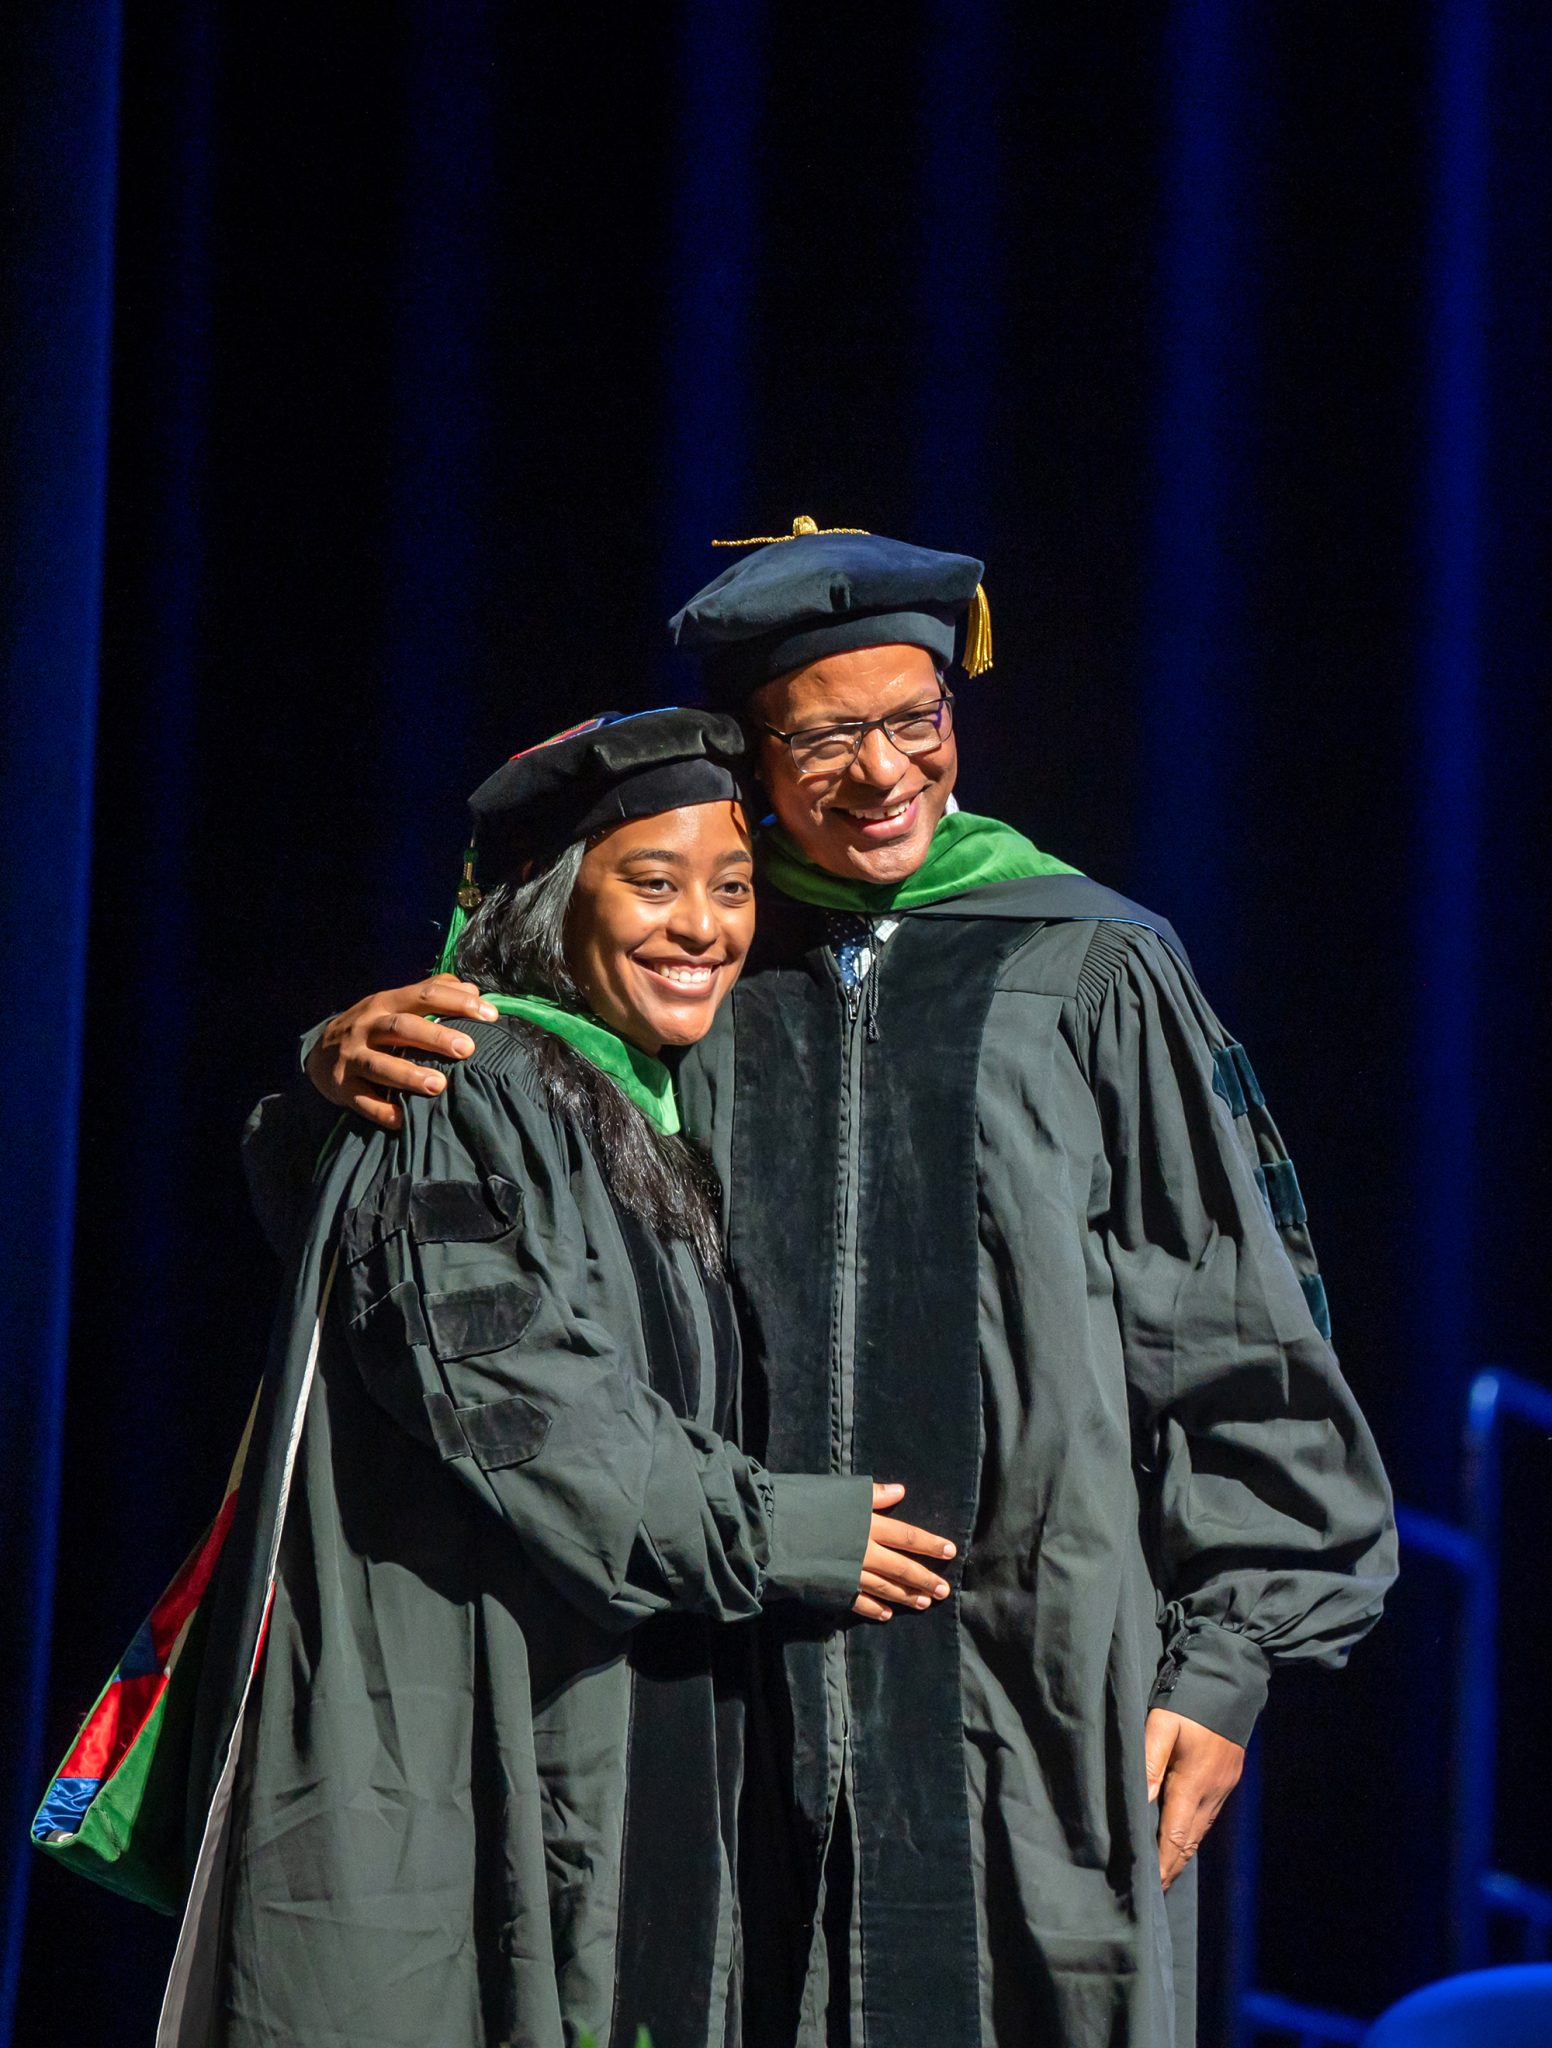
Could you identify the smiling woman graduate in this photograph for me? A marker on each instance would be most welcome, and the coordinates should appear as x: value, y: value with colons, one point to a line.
x: 470, y: 1739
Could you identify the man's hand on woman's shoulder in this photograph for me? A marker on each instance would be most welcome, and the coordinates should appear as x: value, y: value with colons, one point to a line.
x: 353, y: 1064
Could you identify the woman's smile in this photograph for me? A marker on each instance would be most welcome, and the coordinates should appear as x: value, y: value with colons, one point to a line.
x: 693, y: 977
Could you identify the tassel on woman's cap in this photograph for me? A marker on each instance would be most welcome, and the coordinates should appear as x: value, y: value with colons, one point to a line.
x: 464, y: 904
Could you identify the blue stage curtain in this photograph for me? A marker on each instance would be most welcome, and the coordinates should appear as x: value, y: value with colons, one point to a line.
x: 438, y: 353
x: 711, y: 273
x: 1196, y: 714
x: 58, y: 135
x: 436, y: 611
x: 1453, y: 625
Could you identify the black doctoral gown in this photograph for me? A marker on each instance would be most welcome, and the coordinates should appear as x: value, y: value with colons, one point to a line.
x: 470, y: 1733
x: 1020, y: 1198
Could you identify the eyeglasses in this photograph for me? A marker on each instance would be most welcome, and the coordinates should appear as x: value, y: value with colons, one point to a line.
x: 831, y: 749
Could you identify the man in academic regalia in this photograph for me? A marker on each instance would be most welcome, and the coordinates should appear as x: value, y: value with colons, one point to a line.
x: 1009, y: 1220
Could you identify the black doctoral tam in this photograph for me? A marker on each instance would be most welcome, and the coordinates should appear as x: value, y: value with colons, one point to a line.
x: 815, y: 592
x: 614, y: 767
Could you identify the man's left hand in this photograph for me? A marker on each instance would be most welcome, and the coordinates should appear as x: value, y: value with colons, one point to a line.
x: 1191, y: 1772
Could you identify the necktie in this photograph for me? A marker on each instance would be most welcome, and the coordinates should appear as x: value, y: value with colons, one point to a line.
x: 850, y: 938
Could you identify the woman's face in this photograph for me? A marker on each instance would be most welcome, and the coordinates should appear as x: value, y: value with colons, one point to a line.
x: 660, y: 921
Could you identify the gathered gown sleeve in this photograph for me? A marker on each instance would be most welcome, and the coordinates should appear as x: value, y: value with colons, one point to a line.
x: 283, y: 1142
x: 1273, y: 1534
x: 471, y: 1293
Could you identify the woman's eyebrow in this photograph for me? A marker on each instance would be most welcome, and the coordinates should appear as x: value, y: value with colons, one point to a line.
x: 678, y: 860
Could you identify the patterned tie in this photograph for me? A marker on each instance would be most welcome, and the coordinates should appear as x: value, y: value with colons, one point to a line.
x: 850, y: 938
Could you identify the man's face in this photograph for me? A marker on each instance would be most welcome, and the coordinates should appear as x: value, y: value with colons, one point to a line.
x: 873, y: 821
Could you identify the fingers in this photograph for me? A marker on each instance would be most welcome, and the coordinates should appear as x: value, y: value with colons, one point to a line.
x: 402, y: 1027
x: 888, y: 1570
x: 386, y: 1115
x: 906, y: 1578
x: 367, y: 1067
x: 1197, y: 1769
x: 444, y: 995
x: 902, y: 1536
x: 1159, y: 1739
x: 454, y: 998
x: 880, y: 1588
x: 890, y: 1576
x: 350, y: 1067
x: 1184, y: 1819
x: 355, y: 1079
x: 1181, y: 1828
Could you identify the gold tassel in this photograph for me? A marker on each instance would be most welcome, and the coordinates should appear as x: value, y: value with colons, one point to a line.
x: 470, y: 894
x: 801, y: 526
x: 978, y: 634
x: 468, y: 900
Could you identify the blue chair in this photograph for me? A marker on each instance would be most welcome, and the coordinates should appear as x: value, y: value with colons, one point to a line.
x: 1509, y: 2008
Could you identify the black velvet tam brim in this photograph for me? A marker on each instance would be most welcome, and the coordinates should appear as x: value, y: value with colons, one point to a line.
x: 792, y: 602
x: 732, y: 674
x: 598, y: 775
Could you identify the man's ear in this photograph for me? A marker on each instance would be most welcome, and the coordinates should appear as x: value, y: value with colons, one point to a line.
x: 756, y: 739
x: 766, y: 785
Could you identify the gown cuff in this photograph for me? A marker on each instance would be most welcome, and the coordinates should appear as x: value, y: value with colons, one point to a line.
x: 819, y: 1533
x: 1216, y: 1676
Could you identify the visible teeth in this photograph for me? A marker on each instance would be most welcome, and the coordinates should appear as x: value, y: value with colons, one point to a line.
x: 882, y: 817
x: 691, y: 977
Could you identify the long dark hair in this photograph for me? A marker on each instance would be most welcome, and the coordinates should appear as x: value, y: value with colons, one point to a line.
x: 515, y: 944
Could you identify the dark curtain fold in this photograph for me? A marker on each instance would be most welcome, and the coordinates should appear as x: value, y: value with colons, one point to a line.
x: 372, y: 394
x: 1453, y: 620
x: 708, y: 283
x: 1205, y: 553
x: 58, y: 112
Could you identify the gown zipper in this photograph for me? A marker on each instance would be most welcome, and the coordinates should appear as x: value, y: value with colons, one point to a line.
x: 859, y: 1011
